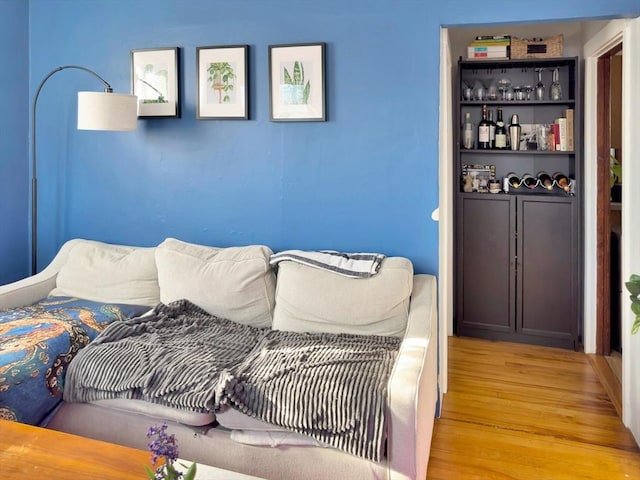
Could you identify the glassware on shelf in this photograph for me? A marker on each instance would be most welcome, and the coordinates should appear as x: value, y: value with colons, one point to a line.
x: 503, y: 84
x: 467, y: 90
x: 479, y: 91
x: 527, y: 91
x: 518, y: 94
x: 539, y: 94
x: 555, y: 90
x: 468, y: 132
x: 492, y: 90
x: 542, y: 134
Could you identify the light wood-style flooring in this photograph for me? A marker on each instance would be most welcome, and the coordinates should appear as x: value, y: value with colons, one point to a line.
x: 521, y: 412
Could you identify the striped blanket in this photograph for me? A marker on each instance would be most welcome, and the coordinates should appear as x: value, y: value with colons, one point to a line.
x: 352, y: 265
x: 172, y: 357
x: 330, y: 387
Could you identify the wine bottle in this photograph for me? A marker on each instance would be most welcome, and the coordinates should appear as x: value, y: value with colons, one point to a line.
x: 529, y: 181
x: 545, y: 180
x: 561, y: 180
x: 513, y: 181
x: 484, y: 141
x: 492, y: 131
x: 467, y: 132
x: 501, y: 132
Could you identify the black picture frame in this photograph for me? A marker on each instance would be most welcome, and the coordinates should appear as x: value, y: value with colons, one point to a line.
x: 226, y: 98
x: 155, y: 80
x: 297, y: 82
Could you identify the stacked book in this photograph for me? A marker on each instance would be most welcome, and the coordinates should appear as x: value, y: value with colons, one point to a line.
x: 484, y: 47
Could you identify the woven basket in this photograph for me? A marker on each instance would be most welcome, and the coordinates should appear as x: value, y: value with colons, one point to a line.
x: 537, y: 48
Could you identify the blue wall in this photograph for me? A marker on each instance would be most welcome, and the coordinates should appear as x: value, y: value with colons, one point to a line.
x: 14, y: 128
x: 366, y: 180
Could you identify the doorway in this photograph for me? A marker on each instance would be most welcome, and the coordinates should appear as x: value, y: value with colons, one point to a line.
x: 609, y: 215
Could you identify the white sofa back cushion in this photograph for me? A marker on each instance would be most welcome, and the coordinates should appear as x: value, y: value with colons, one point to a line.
x: 109, y: 273
x: 309, y: 299
x: 236, y: 283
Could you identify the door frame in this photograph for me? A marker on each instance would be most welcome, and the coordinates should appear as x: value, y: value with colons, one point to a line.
x: 598, y: 44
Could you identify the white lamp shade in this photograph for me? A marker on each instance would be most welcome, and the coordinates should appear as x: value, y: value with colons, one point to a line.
x: 107, y: 111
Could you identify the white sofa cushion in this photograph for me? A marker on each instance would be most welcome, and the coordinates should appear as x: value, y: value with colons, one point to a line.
x: 153, y: 410
x: 104, y: 272
x: 313, y: 300
x: 235, y: 420
x: 236, y: 283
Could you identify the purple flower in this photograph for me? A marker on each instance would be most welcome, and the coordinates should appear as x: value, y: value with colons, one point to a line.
x: 163, y: 446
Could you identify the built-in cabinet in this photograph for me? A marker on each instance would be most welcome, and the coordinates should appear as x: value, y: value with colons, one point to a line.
x: 518, y: 253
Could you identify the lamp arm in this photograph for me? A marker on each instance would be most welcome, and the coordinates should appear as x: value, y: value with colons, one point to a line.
x: 34, y: 177
x: 151, y: 86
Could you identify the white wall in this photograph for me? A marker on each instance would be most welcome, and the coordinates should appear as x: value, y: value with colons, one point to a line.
x: 630, y: 221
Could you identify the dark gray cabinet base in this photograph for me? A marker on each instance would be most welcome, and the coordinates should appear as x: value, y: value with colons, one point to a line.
x: 517, y: 269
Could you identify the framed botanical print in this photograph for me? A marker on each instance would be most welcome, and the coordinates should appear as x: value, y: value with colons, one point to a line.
x: 297, y: 82
x: 155, y: 81
x: 222, y: 82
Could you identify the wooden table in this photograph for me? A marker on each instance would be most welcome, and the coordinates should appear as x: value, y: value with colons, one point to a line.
x: 29, y: 453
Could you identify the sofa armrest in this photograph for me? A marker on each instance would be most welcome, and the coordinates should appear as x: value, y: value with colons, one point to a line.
x: 413, y: 389
x: 31, y: 289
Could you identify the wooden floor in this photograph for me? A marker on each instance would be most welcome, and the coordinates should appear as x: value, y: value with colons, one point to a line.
x: 524, y: 412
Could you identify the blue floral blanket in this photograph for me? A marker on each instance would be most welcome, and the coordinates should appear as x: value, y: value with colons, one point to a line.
x: 36, y: 345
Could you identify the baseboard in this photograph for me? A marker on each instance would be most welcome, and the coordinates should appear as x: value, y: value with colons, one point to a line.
x: 608, y: 379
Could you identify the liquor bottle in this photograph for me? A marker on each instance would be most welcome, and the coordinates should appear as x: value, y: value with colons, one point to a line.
x: 562, y: 181
x: 484, y: 141
x: 492, y: 131
x: 529, y: 181
x: 468, y: 132
x: 501, y: 132
x: 545, y: 180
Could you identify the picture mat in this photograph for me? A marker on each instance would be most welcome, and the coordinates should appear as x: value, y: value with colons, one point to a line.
x: 161, y: 60
x: 207, y: 106
x: 311, y: 58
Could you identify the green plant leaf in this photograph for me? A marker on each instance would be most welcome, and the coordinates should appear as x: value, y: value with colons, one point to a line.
x: 287, y: 77
x: 297, y: 74
x: 191, y: 473
x: 634, y: 278
x: 150, y: 473
x: 633, y: 287
x: 636, y: 326
x: 306, y: 93
x: 635, y: 308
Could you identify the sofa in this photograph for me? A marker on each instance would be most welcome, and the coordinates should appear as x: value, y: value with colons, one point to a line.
x: 240, y: 284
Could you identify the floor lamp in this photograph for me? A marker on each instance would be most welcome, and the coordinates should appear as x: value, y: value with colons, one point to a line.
x: 96, y: 111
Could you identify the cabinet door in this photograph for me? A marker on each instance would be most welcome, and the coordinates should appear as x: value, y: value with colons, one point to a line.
x: 548, y: 251
x: 486, y: 275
